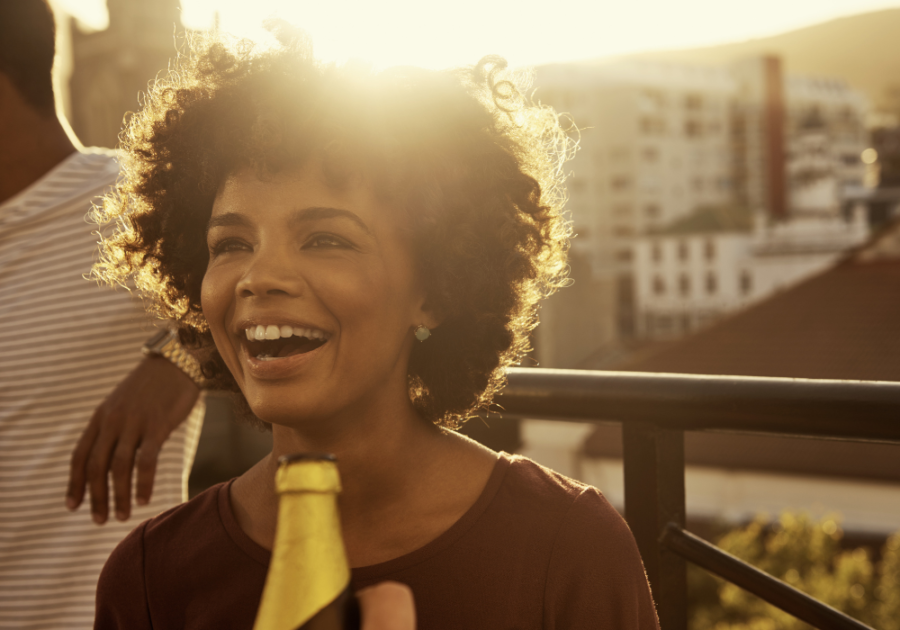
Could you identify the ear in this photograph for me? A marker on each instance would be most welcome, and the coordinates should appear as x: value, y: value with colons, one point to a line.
x: 428, y: 316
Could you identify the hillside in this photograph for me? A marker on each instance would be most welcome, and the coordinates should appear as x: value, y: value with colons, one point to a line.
x: 861, y: 49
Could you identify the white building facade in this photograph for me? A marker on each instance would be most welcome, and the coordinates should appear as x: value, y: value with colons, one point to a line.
x: 685, y: 281
x: 661, y: 142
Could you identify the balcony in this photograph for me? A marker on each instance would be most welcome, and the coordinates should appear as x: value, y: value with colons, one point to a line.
x: 656, y: 409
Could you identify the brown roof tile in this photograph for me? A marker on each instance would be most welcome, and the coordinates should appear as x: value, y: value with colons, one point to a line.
x: 841, y: 324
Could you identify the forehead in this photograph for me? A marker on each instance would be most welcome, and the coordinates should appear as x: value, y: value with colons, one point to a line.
x: 246, y: 189
x: 303, y: 193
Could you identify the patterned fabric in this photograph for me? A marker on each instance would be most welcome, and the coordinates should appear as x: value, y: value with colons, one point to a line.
x: 64, y: 345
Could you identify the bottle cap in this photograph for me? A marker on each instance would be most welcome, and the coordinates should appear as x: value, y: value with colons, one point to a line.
x: 307, y: 473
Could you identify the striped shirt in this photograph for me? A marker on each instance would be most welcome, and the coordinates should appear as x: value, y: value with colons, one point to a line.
x: 65, y: 343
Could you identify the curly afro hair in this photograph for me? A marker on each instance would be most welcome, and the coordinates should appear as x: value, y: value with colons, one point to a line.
x: 475, y: 165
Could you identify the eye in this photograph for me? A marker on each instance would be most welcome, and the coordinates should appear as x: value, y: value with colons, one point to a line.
x: 325, y: 240
x: 226, y: 245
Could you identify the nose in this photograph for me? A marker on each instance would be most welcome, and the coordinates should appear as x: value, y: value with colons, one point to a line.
x: 269, y: 274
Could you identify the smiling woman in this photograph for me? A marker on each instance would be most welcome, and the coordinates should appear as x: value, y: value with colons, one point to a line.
x: 308, y: 226
x: 454, y: 159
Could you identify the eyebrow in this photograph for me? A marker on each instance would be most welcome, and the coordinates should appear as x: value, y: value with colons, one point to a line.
x: 318, y: 213
x: 229, y: 219
x: 236, y: 219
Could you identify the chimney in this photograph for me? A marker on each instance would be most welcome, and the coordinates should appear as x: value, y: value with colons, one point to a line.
x: 773, y: 142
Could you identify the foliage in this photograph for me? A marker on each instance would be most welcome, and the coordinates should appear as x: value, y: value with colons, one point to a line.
x: 807, y: 555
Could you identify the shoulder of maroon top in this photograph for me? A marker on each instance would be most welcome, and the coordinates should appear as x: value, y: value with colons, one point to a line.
x: 121, y: 591
x: 544, y: 482
x: 596, y: 571
x: 183, y: 516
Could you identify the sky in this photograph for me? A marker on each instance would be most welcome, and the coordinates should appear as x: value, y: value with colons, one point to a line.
x: 526, y: 32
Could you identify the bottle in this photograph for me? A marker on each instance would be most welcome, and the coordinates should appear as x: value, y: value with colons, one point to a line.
x: 308, y: 584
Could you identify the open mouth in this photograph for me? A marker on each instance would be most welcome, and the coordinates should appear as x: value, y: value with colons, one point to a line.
x: 268, y: 343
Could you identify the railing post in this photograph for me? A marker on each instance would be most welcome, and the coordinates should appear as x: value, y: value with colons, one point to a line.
x: 654, y: 497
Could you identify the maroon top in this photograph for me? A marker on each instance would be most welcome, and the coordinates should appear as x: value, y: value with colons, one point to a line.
x: 536, y: 550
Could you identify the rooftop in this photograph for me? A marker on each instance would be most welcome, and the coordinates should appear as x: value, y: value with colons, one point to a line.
x: 841, y: 324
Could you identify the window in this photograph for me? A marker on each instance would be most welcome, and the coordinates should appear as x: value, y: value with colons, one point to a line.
x: 621, y: 183
x: 684, y: 285
x: 693, y: 128
x: 656, y: 253
x: 624, y: 255
x: 650, y: 154
x: 746, y: 282
x: 652, y: 125
x: 659, y: 286
x: 693, y: 102
x: 712, y: 283
x: 623, y: 231
x: 652, y: 211
x: 709, y: 249
x: 683, y: 251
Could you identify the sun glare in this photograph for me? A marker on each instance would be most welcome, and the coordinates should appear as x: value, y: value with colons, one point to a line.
x: 526, y: 32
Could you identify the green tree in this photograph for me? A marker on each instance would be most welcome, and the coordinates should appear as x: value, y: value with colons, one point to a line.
x: 806, y: 554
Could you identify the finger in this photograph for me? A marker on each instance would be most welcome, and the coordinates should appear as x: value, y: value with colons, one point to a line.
x: 121, y: 467
x: 387, y: 606
x: 75, y: 490
x: 146, y: 470
x: 98, y: 475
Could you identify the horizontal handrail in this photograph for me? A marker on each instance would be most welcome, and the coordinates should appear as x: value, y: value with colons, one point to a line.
x: 862, y: 410
x: 749, y: 578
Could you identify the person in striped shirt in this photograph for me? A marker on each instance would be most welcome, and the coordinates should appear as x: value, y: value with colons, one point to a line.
x: 65, y: 347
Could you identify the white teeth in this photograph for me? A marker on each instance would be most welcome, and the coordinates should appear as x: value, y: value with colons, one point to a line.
x: 270, y: 332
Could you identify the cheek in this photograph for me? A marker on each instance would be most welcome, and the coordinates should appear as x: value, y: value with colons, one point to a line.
x: 215, y: 302
x: 208, y: 293
x: 374, y: 295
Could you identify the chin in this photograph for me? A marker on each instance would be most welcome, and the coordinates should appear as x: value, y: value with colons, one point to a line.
x: 289, y: 414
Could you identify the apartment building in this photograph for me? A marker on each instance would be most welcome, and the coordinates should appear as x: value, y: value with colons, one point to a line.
x: 704, y: 266
x: 661, y: 143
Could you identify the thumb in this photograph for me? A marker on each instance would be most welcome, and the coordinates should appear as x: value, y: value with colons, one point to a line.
x: 387, y: 606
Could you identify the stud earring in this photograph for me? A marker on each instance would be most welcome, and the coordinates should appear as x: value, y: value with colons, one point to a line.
x: 422, y: 332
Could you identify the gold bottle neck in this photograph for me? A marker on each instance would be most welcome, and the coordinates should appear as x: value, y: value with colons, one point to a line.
x: 308, y: 570
x: 308, y: 475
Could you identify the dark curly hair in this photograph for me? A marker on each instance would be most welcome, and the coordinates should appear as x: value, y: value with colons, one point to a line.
x: 472, y: 162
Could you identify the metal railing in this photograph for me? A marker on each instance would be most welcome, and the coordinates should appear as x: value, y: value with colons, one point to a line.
x: 656, y: 409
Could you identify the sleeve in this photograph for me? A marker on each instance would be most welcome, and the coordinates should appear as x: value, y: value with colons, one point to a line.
x: 121, y: 591
x: 596, y: 578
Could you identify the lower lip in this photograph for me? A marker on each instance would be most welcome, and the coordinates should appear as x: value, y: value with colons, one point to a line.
x: 275, y: 369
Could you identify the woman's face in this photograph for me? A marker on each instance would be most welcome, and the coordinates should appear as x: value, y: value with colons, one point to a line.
x: 324, y: 283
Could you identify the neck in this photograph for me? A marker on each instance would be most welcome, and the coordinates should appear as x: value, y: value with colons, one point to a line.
x: 383, y: 459
x: 31, y: 145
x: 374, y: 455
